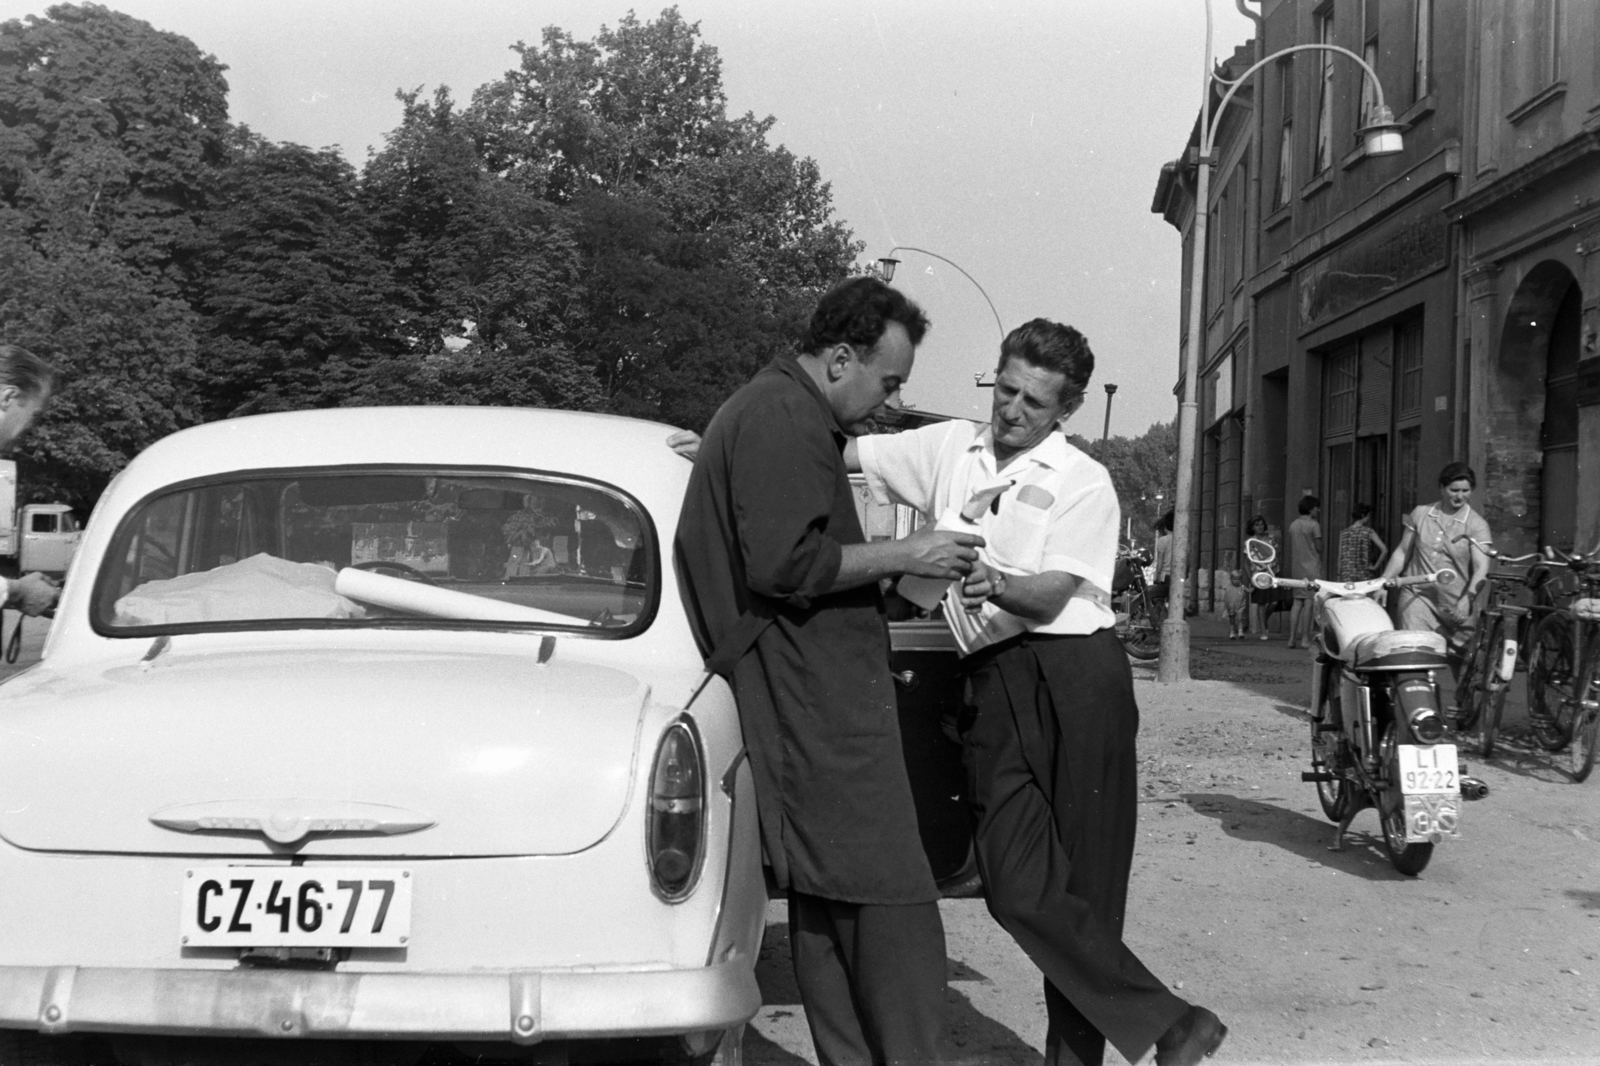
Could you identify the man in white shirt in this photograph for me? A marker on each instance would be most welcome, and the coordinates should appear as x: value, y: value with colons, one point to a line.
x: 25, y: 383
x: 1052, y: 769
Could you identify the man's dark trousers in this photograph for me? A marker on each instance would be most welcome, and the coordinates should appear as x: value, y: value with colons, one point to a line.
x: 1052, y: 771
x: 872, y: 978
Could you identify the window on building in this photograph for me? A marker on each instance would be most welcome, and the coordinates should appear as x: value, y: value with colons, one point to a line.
x: 1408, y: 361
x: 1286, y: 133
x: 1369, y: 53
x: 1322, y: 157
x: 1410, y: 451
x: 1422, y: 51
x: 1241, y: 216
x: 1530, y: 58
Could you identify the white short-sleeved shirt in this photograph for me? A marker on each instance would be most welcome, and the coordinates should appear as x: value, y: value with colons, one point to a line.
x: 1059, y: 513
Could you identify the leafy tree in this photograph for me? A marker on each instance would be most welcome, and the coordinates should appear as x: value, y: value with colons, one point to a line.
x: 296, y: 296
x: 1142, y: 468
x: 126, y: 353
x: 478, y: 261
x: 704, y: 246
x: 108, y: 131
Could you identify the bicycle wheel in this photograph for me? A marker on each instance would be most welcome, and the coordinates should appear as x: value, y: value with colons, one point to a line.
x: 1586, y: 718
x: 1142, y: 637
x: 1471, y: 687
x: 1550, y: 676
x: 1492, y: 698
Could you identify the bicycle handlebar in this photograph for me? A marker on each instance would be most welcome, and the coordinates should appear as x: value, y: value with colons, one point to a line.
x: 1360, y: 588
x: 1494, y: 553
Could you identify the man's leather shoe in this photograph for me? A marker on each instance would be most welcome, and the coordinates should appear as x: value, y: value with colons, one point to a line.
x: 1193, y: 1037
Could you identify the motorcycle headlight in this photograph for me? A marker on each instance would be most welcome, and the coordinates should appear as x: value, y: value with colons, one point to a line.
x: 675, y: 837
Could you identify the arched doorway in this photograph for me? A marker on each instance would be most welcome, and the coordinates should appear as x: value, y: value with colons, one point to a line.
x: 1529, y: 480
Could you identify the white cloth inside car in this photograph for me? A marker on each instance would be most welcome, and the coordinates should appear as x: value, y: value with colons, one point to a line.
x: 262, y: 586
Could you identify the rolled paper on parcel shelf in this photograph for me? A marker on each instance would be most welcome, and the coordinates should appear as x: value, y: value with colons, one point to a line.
x: 414, y: 597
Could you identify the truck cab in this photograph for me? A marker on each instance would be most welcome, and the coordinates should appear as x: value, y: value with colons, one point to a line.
x: 49, y: 535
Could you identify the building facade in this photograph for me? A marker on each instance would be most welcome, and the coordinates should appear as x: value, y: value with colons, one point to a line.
x: 1529, y: 286
x: 1346, y: 378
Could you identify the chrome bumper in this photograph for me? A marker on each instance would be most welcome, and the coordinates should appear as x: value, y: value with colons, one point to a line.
x: 524, y: 1007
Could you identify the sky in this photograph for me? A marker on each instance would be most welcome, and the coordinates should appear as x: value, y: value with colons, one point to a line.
x: 1021, y: 140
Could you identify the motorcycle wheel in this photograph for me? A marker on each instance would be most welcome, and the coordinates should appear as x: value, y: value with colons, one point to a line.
x: 1338, y: 795
x: 1587, y: 723
x: 1142, y: 636
x: 1550, y: 677
x: 1409, y: 859
x: 1492, y: 700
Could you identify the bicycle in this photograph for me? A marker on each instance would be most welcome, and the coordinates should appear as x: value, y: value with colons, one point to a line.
x: 1139, y: 623
x: 1492, y: 653
x: 1564, y: 668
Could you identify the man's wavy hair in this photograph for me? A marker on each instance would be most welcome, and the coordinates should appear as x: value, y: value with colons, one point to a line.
x: 856, y: 312
x: 1052, y: 346
x: 32, y: 376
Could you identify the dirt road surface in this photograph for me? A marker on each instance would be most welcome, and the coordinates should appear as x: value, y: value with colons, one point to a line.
x: 1492, y: 955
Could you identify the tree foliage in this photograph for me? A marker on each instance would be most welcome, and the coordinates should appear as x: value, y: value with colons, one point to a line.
x: 592, y: 231
x: 1143, y: 469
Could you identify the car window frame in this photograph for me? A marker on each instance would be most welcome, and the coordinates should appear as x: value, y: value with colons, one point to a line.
x: 98, y: 603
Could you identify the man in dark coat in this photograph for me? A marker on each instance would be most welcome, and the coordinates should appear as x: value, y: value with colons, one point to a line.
x: 782, y: 592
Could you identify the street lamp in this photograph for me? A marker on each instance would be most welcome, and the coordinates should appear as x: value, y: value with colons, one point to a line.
x: 1381, y: 136
x: 1111, y: 390
x: 887, y: 263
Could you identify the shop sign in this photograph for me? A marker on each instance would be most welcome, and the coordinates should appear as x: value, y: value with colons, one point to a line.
x: 1393, y: 253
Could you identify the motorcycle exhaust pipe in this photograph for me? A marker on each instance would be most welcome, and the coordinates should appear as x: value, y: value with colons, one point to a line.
x: 1473, y: 788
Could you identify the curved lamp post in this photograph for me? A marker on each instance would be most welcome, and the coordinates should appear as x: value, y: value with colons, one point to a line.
x: 887, y: 263
x: 1381, y: 136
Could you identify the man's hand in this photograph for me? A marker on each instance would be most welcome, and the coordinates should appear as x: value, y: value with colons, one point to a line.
x: 33, y: 594
x: 979, y: 586
x: 933, y: 552
x: 686, y: 442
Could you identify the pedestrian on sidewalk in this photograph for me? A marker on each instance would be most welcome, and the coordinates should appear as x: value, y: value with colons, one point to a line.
x: 1050, y: 749
x: 1305, y: 561
x: 782, y: 593
x: 1357, y: 543
x: 1262, y: 601
x: 1235, y: 603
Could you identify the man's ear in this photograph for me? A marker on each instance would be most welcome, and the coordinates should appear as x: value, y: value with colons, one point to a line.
x: 9, y: 394
x: 839, y: 358
x: 1072, y: 408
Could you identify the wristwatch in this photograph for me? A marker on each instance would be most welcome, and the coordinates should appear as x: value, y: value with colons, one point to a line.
x: 999, y: 583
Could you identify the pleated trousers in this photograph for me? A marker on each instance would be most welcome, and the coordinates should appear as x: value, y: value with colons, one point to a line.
x: 1053, y: 777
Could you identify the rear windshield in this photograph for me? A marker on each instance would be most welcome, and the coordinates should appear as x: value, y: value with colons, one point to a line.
x: 396, y: 547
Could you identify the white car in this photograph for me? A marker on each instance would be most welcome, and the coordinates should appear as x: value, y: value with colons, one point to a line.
x: 383, y: 725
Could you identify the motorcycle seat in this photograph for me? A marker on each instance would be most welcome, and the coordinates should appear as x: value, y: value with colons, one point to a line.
x: 1396, y: 649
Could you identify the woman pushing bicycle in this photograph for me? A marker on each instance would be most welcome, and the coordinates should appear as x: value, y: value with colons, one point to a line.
x: 1440, y: 536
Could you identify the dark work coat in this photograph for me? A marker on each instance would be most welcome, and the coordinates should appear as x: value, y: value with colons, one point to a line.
x: 767, y: 512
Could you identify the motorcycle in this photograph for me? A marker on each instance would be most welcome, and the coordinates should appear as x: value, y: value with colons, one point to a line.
x: 1378, y: 738
x: 1139, y: 613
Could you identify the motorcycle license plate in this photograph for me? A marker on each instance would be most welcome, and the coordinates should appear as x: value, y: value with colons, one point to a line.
x: 300, y: 906
x: 1429, y: 770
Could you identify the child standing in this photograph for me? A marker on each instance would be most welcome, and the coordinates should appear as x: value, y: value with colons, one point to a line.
x: 1236, y: 602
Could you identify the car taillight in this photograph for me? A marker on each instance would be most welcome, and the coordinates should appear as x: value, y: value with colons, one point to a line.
x: 675, y: 837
